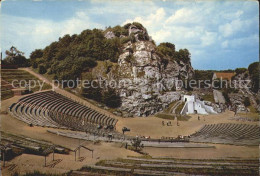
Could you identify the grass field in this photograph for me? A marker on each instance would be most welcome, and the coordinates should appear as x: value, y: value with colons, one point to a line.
x: 165, y: 116
x: 208, y: 97
x: 179, y: 108
x: 253, y: 114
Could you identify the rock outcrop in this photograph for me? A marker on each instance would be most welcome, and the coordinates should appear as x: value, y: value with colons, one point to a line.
x: 148, y: 79
x: 243, y: 83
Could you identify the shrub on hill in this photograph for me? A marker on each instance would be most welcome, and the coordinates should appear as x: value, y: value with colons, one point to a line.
x: 71, y: 55
x: 138, y: 25
x: 247, y: 102
x: 111, y: 99
x: 168, y: 49
x: 42, y: 69
x: 240, y: 70
x: 254, y: 71
x: 14, y: 58
x: 118, y: 30
x: 203, y: 74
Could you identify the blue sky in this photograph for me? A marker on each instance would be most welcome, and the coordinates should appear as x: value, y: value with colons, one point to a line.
x: 219, y: 34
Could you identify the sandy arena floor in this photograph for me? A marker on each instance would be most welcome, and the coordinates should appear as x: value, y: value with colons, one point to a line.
x: 150, y: 126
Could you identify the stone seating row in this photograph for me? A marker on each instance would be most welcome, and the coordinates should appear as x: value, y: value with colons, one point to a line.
x: 35, y: 109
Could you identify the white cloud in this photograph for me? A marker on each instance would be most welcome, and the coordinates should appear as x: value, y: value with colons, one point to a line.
x: 232, y: 15
x: 161, y: 35
x: 208, y: 38
x: 36, y: 33
x: 152, y: 21
x: 234, y: 27
x: 224, y: 44
x: 185, y: 16
x: 203, y: 27
x: 248, y: 41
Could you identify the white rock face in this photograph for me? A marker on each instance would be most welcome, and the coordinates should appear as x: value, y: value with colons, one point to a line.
x: 151, y: 85
x: 110, y: 35
x: 149, y: 92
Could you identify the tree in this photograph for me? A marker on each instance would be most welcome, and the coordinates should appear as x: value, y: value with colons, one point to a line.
x: 225, y: 94
x: 92, y: 90
x: 254, y: 71
x: 111, y: 99
x: 38, y: 53
x: 247, y: 102
x: 42, y: 69
x: 15, y: 57
x: 183, y: 55
x: 137, y: 144
x: 167, y: 49
x: 138, y: 25
x: 240, y: 70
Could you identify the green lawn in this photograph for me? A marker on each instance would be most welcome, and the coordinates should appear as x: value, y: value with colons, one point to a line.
x: 179, y: 108
x: 165, y: 116
x: 167, y: 110
x: 208, y: 97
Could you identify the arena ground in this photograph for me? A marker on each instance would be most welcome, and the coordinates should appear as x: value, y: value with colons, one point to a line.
x: 150, y: 126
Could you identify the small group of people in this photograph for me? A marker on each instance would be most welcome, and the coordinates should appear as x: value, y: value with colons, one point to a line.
x: 169, y: 123
x: 199, y: 118
x: 143, y: 137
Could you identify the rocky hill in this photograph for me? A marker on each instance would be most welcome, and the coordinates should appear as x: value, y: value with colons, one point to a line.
x: 122, y: 54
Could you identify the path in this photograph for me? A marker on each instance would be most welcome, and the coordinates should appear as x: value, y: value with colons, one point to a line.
x: 84, y: 136
x: 175, y: 106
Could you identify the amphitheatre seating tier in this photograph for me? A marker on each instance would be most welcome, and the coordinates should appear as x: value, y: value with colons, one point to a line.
x: 228, y: 133
x: 10, y: 81
x: 51, y: 109
x: 171, y: 166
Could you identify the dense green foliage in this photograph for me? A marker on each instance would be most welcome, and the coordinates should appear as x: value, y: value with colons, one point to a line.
x: 111, y: 99
x: 254, y: 71
x: 240, y: 70
x: 42, y: 69
x: 94, y: 91
x: 247, y: 102
x: 225, y: 94
x: 168, y: 49
x: 71, y: 55
x: 118, y: 30
x: 138, y: 25
x: 137, y: 144
x: 14, y: 57
x: 203, y: 75
x: 183, y: 55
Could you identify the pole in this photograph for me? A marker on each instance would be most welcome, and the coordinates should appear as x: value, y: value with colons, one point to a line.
x: 4, y: 157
